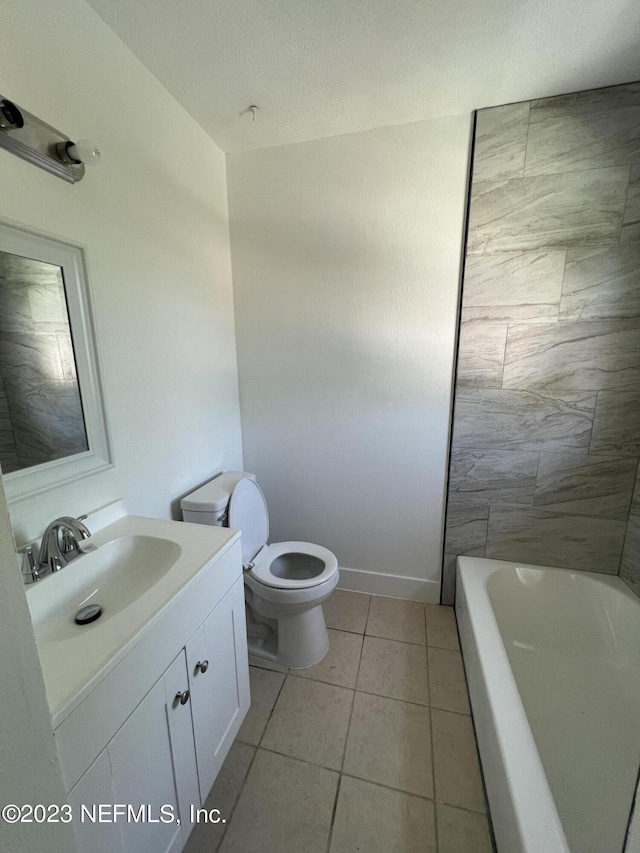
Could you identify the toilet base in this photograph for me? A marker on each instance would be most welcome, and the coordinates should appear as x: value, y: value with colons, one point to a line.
x: 298, y: 641
x: 301, y: 641
x: 287, y: 627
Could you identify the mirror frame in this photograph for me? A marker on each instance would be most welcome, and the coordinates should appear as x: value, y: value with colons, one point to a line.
x: 27, y: 482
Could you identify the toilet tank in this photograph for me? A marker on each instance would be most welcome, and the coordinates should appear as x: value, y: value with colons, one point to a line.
x: 209, y: 503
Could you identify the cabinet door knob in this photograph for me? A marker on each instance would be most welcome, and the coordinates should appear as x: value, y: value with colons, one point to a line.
x: 202, y: 666
x: 182, y: 698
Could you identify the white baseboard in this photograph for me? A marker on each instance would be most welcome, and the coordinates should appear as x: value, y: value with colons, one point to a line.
x: 395, y: 586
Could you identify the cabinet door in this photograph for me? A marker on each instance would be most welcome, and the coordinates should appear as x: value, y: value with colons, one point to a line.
x: 220, y: 693
x: 182, y: 746
x: 92, y: 790
x: 141, y: 766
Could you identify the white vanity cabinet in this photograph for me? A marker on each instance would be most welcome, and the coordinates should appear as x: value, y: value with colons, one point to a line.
x: 219, y: 692
x: 166, y: 747
x: 136, y: 771
x: 141, y: 762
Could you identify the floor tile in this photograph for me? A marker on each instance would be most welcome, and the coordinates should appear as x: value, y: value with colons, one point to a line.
x: 378, y: 820
x: 447, y: 682
x: 442, y: 630
x: 285, y: 805
x: 455, y: 760
x: 265, y: 686
x: 310, y: 721
x: 396, y: 619
x: 340, y: 664
x: 394, y: 669
x: 346, y: 611
x: 462, y: 832
x: 390, y: 743
x: 206, y: 837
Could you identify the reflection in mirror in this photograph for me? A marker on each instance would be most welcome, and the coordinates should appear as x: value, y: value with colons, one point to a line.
x: 41, y: 416
x: 53, y: 420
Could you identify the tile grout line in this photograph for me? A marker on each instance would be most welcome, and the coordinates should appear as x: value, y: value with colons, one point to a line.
x: 388, y: 787
x: 273, y: 707
x: 237, y: 799
x: 593, y: 423
x: 315, y: 764
x: 421, y: 797
x: 341, y: 774
x: 564, y: 273
x: 394, y: 640
x: 433, y: 757
x: 526, y: 141
x: 504, y: 354
x: 355, y: 690
x: 256, y: 748
x: 624, y: 209
x: 381, y: 696
x: 333, y: 814
x: 346, y: 738
x: 376, y: 783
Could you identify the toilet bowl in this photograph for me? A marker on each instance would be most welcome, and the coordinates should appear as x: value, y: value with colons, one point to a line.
x: 286, y: 583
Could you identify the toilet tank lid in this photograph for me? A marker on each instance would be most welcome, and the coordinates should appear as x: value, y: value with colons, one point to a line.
x: 214, y: 495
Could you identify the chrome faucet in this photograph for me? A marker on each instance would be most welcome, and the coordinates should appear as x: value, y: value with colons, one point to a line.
x: 60, y: 543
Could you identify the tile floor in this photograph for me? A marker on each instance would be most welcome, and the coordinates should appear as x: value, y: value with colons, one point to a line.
x: 370, y: 750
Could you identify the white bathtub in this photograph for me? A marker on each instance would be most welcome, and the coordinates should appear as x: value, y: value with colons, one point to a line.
x: 553, y: 663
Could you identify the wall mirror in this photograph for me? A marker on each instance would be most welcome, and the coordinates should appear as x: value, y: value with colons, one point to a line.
x: 53, y: 425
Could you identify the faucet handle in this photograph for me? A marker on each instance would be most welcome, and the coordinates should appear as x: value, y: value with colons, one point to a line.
x: 30, y: 571
x: 80, y: 527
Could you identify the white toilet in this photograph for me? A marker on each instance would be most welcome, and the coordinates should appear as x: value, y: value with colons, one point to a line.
x: 286, y: 583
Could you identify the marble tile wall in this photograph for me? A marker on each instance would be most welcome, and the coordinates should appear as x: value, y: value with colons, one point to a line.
x: 8, y: 449
x: 40, y: 408
x: 546, y: 423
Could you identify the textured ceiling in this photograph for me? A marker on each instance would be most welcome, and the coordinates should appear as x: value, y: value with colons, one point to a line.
x: 321, y: 67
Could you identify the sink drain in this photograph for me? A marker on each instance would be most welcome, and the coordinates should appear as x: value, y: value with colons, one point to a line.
x: 88, y: 614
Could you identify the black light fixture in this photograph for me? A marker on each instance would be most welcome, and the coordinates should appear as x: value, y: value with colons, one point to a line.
x: 26, y: 136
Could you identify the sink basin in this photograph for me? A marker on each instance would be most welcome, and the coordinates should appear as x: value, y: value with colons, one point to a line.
x: 141, y: 567
x: 114, y: 576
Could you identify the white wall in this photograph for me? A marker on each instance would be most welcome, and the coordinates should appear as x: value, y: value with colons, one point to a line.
x: 346, y: 259
x: 30, y: 771
x: 153, y: 217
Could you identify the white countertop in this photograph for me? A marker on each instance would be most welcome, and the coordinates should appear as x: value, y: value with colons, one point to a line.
x: 75, y: 659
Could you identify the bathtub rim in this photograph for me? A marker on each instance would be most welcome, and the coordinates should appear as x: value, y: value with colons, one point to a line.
x: 523, y: 811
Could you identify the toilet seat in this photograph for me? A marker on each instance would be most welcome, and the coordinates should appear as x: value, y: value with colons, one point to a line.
x: 269, y: 562
x: 283, y: 565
